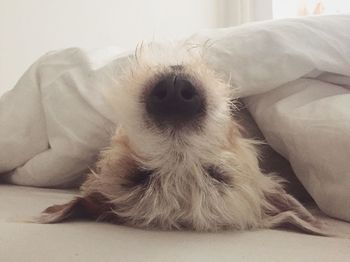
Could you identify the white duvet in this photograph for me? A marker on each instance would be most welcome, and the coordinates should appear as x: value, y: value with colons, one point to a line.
x: 294, y: 75
x: 55, y: 120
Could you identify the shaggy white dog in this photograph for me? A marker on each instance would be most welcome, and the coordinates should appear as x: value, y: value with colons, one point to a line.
x: 179, y: 159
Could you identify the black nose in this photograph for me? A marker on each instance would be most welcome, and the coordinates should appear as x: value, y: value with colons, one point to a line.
x: 174, y: 99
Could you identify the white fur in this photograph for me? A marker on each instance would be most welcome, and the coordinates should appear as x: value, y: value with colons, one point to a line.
x: 181, y: 194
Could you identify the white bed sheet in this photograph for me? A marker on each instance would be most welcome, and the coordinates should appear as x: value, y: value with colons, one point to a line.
x: 90, y: 241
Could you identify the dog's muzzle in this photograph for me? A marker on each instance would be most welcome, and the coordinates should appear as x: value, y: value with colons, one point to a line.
x: 174, y: 100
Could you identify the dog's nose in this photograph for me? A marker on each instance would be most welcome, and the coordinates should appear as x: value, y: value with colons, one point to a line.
x: 174, y: 99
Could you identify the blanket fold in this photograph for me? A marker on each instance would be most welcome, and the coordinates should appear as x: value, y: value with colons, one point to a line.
x: 55, y: 121
x: 295, y: 77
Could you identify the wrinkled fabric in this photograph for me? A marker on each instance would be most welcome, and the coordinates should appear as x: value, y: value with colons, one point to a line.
x: 55, y: 120
x: 295, y: 77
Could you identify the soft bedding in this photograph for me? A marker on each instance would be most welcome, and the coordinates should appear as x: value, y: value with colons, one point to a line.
x: 55, y: 120
x: 294, y: 75
x: 87, y: 241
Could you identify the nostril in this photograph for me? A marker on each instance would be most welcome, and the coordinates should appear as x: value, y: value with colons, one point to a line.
x: 188, y: 93
x: 160, y: 92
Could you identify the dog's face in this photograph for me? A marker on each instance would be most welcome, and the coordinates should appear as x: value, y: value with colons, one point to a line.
x: 178, y: 159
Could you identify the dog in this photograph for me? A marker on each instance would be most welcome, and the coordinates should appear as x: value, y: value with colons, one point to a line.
x: 179, y: 159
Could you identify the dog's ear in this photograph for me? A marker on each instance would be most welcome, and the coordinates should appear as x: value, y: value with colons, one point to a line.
x: 93, y: 206
x: 284, y: 211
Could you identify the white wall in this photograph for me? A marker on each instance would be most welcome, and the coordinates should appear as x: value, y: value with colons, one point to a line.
x: 262, y: 9
x: 29, y: 28
x: 236, y: 12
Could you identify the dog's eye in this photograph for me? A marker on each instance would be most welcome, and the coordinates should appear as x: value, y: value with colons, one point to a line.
x: 218, y: 174
x: 140, y: 177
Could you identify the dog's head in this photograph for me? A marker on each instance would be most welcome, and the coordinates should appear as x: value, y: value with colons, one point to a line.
x: 178, y: 159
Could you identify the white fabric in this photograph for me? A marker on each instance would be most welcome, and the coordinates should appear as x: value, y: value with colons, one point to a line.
x: 308, y: 121
x: 55, y: 120
x: 304, y: 64
x: 90, y: 241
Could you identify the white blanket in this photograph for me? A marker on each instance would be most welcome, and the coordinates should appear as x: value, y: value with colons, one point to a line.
x: 53, y: 123
x: 295, y: 74
x: 55, y: 120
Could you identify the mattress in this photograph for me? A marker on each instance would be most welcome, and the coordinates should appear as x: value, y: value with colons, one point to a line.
x: 90, y: 241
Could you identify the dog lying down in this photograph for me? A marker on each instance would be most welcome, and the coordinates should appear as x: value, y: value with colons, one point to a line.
x: 179, y: 159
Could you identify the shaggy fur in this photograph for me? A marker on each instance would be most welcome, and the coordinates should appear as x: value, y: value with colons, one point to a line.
x: 201, y: 176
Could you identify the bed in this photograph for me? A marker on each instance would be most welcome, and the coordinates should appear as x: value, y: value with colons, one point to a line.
x: 315, y: 73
